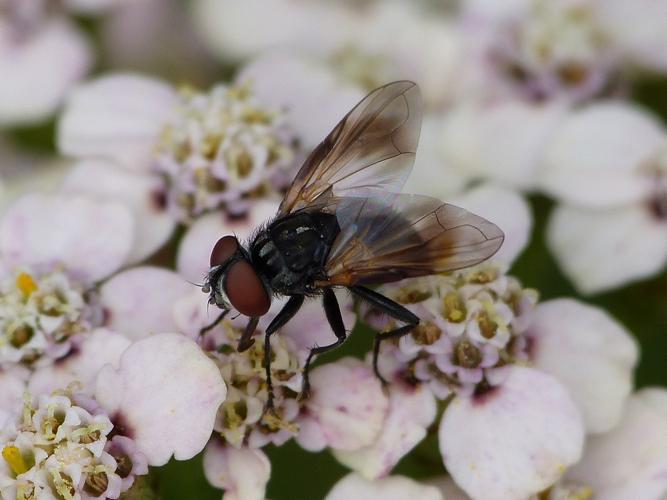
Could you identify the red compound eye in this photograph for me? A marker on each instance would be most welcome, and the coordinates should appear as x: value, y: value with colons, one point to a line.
x: 245, y: 290
x: 223, y: 250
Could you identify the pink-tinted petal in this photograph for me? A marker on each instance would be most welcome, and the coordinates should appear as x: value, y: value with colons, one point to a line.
x: 430, y: 164
x: 38, y: 69
x: 12, y: 386
x: 587, y: 351
x: 411, y: 411
x: 513, y: 441
x: 225, y: 24
x: 646, y: 46
x: 299, y: 86
x: 194, y: 254
x: 346, y: 408
x: 141, y: 301
x: 504, y: 141
x: 604, y: 249
x: 166, y: 394
x: 353, y: 487
x: 139, y: 192
x: 508, y: 210
x: 631, y: 460
x: 241, y: 472
x: 118, y: 117
x: 90, y: 238
x: 98, y: 348
x: 598, y: 154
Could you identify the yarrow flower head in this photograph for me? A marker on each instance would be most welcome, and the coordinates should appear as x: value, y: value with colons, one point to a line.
x: 472, y: 326
x: 40, y: 315
x: 221, y: 147
x: 244, y: 418
x: 65, y: 446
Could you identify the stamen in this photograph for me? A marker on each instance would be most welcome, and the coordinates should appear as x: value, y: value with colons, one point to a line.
x: 14, y: 459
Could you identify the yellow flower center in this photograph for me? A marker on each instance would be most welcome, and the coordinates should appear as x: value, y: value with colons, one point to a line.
x: 26, y: 284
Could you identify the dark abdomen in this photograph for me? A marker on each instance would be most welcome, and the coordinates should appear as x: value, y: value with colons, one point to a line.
x: 291, y: 252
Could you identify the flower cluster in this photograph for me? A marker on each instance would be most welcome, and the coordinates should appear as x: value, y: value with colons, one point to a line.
x: 220, y: 147
x: 472, y: 325
x: 245, y: 419
x: 39, y: 316
x: 65, y: 446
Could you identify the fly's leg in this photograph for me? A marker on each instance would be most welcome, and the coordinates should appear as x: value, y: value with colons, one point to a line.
x: 286, y: 313
x: 335, y: 319
x: 215, y: 323
x: 393, y: 309
x: 247, y: 341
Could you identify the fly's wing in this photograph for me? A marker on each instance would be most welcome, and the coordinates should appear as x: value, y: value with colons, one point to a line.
x: 372, y: 149
x: 385, y: 239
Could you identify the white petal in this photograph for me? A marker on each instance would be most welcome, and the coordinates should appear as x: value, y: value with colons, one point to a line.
x: 411, y: 411
x: 646, y: 46
x: 504, y: 141
x: 194, y: 254
x: 601, y: 250
x: 631, y: 460
x: 353, y: 487
x: 514, y: 441
x: 225, y: 25
x: 117, y: 117
x: 99, y: 348
x: 243, y: 473
x: 12, y: 386
x: 315, y: 97
x: 167, y: 393
x: 94, y: 6
x: 141, y: 301
x: 347, y: 405
x: 588, y: 352
x: 139, y: 192
x: 38, y: 70
x: 431, y: 175
x: 597, y: 156
x: 43, y: 231
x: 508, y: 210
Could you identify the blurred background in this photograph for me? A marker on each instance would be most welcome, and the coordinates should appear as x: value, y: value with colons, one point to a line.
x: 561, y: 103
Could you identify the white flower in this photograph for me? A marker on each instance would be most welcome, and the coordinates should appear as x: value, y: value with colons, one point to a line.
x: 630, y: 461
x: 473, y: 324
x: 514, y: 441
x: 242, y: 473
x: 53, y: 253
x: 40, y: 60
x: 353, y: 487
x: 538, y: 50
x: 164, y: 395
x: 346, y: 409
x: 607, y: 163
x: 60, y: 446
x: 502, y: 141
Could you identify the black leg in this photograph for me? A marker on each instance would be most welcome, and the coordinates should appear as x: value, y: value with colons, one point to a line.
x: 215, y: 323
x: 394, y: 310
x: 335, y: 319
x: 247, y: 341
x: 286, y: 313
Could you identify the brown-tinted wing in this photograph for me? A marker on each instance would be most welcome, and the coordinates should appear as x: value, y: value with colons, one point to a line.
x: 401, y: 236
x: 371, y: 149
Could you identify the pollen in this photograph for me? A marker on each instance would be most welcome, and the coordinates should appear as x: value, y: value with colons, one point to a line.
x: 26, y: 284
x: 455, y: 309
x: 14, y: 459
